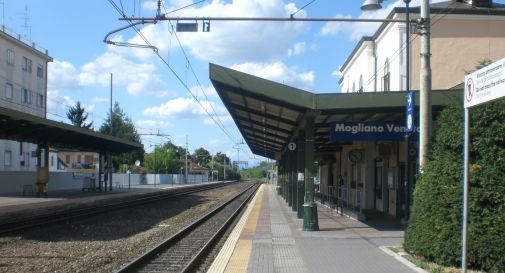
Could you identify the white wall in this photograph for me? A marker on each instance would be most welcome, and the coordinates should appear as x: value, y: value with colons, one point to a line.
x: 20, y: 79
x: 12, y: 182
x: 361, y: 64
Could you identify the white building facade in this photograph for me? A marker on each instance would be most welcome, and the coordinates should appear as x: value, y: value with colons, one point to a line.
x: 462, y: 34
x: 23, y: 87
x: 369, y: 175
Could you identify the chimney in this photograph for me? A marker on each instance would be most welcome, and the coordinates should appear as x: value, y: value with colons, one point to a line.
x: 478, y: 3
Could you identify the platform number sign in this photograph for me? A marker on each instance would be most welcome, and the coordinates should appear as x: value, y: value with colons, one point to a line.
x: 292, y: 146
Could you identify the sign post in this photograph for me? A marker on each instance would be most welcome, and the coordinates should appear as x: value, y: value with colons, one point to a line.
x: 481, y: 86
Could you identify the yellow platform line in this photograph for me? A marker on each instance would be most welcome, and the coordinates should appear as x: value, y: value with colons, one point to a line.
x: 234, y: 246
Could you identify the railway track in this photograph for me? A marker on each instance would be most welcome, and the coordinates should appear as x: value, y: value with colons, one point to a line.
x: 16, y: 224
x: 184, y: 251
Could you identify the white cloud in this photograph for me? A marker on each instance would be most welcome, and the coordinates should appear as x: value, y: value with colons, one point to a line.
x: 153, y: 124
x: 139, y: 78
x: 224, y: 119
x: 298, y: 49
x: 150, y: 5
x: 99, y: 100
x: 204, y: 92
x: 62, y: 76
x: 336, y: 73
x: 279, y: 72
x: 183, y: 108
x: 236, y: 42
x: 332, y: 28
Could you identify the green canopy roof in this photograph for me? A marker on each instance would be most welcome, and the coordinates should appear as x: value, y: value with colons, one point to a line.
x: 19, y: 126
x: 268, y: 114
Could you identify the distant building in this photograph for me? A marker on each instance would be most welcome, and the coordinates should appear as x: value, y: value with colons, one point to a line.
x: 78, y: 162
x: 197, y: 169
x: 55, y: 163
x: 23, y: 87
x: 462, y: 33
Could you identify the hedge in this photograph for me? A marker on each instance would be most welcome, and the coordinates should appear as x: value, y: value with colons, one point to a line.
x: 434, y: 229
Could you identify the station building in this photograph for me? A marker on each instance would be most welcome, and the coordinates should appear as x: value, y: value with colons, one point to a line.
x: 354, y: 140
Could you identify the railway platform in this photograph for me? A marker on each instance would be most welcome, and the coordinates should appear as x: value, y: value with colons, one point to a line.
x: 269, y: 238
x: 19, y: 206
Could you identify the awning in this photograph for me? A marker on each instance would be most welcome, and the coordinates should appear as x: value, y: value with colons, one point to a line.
x: 268, y: 114
x: 19, y: 126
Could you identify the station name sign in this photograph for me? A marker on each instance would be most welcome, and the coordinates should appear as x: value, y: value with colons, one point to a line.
x: 369, y: 131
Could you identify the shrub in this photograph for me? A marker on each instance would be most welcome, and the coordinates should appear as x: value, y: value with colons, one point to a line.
x: 434, y: 229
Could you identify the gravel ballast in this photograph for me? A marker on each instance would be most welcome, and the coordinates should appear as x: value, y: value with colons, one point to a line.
x: 103, y: 243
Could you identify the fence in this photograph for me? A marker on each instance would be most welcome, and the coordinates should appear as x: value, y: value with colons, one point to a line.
x: 13, y: 182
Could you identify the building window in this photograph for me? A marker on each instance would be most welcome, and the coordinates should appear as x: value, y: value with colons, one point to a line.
x: 27, y: 96
x: 78, y: 158
x: 360, y: 89
x: 8, y: 90
x: 386, y: 79
x: 27, y: 65
x: 10, y: 57
x: 7, y: 158
x: 40, y: 71
x: 40, y: 100
x: 52, y: 161
x: 67, y: 159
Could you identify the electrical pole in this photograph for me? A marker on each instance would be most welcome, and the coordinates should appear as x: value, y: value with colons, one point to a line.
x: 186, y: 164
x: 425, y: 85
x: 111, y: 104
x: 212, y: 167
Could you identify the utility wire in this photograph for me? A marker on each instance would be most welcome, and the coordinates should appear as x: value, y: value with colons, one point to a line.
x: 220, y: 125
x: 396, y: 54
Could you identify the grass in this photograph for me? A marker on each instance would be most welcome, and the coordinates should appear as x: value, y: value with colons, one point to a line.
x: 429, y: 266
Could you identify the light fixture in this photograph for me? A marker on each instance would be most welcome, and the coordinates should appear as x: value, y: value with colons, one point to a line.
x: 371, y: 5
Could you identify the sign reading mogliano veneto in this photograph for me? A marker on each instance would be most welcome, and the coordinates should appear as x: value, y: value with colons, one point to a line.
x: 485, y: 84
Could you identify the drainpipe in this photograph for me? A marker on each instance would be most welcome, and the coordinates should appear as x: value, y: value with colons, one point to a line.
x: 374, y: 44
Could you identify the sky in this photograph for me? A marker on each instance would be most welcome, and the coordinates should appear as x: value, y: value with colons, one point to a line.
x: 159, y: 95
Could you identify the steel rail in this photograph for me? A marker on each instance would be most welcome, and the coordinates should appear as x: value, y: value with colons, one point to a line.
x: 51, y: 218
x: 164, y: 246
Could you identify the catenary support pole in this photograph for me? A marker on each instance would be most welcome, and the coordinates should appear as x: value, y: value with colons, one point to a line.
x: 424, y: 85
x: 300, y: 167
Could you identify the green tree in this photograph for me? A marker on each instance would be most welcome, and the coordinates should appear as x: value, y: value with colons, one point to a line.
x: 122, y: 127
x: 480, y: 64
x: 201, y: 157
x: 167, y: 158
x: 76, y: 115
x: 257, y: 172
x: 231, y: 173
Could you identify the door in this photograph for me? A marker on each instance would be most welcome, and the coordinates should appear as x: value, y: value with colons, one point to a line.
x: 378, y: 184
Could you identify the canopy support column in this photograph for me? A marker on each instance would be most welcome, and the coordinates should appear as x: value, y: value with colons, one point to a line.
x: 310, y: 220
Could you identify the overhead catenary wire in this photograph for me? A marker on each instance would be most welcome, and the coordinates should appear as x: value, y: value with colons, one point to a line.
x: 214, y: 118
x: 188, y: 63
